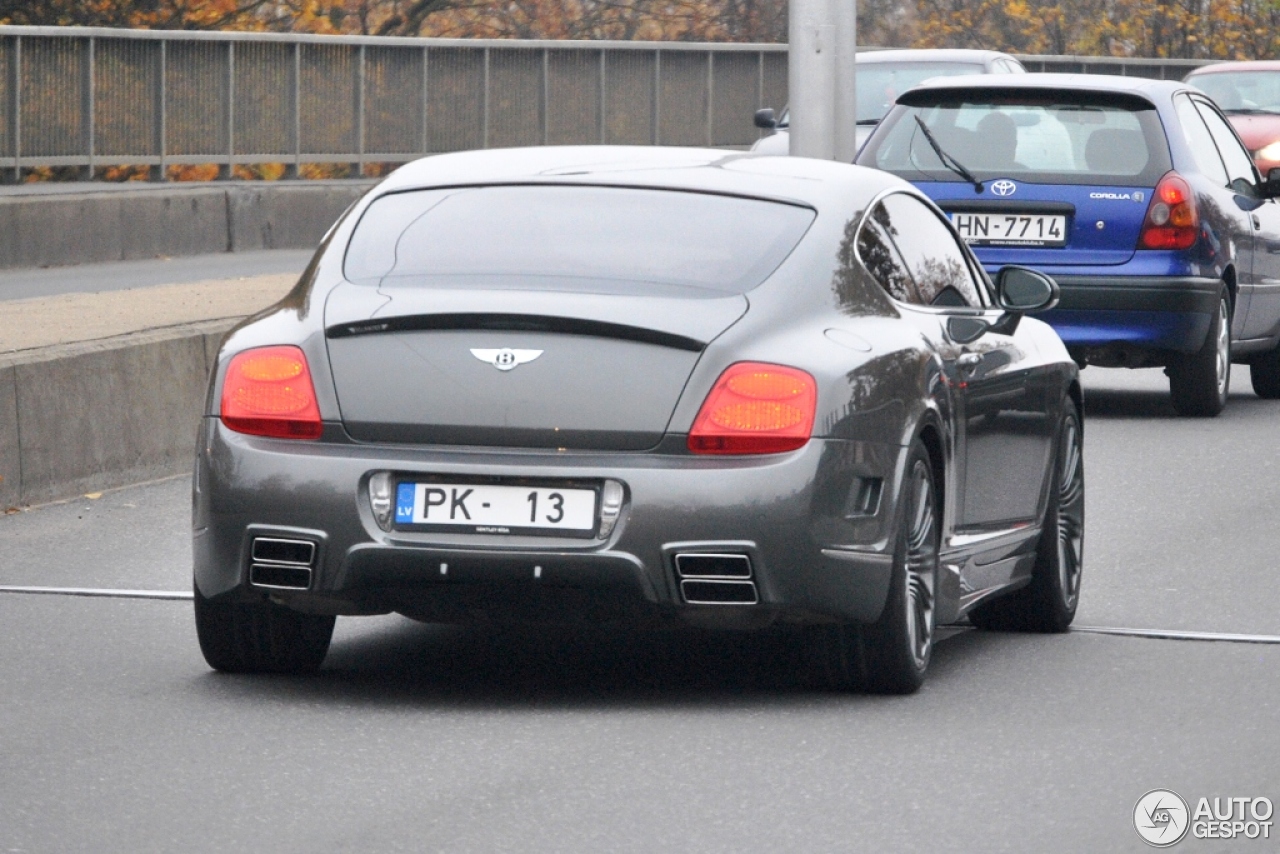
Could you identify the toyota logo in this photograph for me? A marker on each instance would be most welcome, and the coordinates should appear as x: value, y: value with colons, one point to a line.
x: 1004, y: 187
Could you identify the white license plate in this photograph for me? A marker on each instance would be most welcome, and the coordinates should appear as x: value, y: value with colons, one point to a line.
x: 1001, y: 229
x: 488, y: 509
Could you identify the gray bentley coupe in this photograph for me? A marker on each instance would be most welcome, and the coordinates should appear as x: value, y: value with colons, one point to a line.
x: 647, y: 385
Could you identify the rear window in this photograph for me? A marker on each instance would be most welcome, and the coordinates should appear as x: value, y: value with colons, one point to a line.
x: 1039, y: 137
x: 578, y: 238
x: 1241, y: 91
x: 880, y: 83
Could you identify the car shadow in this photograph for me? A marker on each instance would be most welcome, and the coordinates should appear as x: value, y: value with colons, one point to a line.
x: 1114, y: 403
x: 401, y: 663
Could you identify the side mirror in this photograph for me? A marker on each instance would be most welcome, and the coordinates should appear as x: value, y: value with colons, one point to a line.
x: 1023, y: 290
x: 965, y: 329
x: 766, y: 119
x: 1270, y: 188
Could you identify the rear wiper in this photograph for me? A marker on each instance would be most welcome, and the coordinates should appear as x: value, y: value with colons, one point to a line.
x: 947, y: 160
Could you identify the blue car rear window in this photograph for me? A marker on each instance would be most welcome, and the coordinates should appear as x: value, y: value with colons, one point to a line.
x: 1035, y: 136
x: 588, y: 238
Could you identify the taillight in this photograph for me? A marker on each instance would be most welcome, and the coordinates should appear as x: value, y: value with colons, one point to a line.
x: 268, y: 392
x: 1172, y: 221
x: 756, y: 408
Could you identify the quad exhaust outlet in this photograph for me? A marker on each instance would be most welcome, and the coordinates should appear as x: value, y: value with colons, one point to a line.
x: 716, y: 579
x: 281, y: 564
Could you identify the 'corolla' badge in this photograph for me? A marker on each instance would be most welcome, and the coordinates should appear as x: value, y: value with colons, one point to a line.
x: 505, y: 359
x: 1004, y: 187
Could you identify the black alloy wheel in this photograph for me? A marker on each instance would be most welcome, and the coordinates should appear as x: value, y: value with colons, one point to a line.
x: 1048, y: 603
x: 1264, y: 374
x: 891, y: 655
x: 260, y: 637
x: 1199, y: 382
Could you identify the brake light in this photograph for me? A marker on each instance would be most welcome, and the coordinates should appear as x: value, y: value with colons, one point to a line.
x: 755, y: 408
x: 268, y: 392
x: 1172, y: 221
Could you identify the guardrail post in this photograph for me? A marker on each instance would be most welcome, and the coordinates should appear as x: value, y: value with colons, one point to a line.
x: 160, y: 172
x: 87, y: 107
x: 291, y: 169
x: 426, y: 101
x: 711, y: 97
x: 657, y: 97
x: 15, y: 107
x: 484, y: 120
x: 228, y: 171
x: 545, y: 106
x: 603, y: 83
x: 360, y: 81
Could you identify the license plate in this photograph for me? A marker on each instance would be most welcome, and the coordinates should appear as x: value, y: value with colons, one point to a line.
x: 491, y: 509
x: 1001, y: 229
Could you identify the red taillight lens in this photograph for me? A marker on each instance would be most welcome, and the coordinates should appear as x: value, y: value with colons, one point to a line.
x: 1172, y: 221
x: 756, y: 408
x: 268, y: 392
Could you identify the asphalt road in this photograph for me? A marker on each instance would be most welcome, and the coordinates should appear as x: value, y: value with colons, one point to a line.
x: 115, y: 736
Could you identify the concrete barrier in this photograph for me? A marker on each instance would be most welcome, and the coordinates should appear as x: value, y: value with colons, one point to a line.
x: 57, y: 224
x: 77, y: 418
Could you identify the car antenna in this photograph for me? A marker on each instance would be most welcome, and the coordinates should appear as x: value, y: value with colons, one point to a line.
x: 947, y: 160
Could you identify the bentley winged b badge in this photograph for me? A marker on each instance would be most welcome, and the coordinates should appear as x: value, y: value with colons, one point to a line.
x: 505, y: 359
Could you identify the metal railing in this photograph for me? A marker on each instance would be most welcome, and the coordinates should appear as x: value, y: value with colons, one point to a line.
x: 89, y: 97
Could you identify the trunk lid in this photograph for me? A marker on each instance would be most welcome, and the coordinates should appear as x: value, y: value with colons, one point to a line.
x: 548, y: 369
x: 1103, y: 221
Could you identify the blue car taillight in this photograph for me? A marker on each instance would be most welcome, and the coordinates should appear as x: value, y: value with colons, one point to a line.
x: 1172, y: 220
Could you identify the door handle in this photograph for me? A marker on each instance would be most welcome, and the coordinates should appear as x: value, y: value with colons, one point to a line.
x: 1257, y: 223
x: 968, y: 362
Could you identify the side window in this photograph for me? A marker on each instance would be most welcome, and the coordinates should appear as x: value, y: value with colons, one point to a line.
x: 1200, y: 141
x: 1239, y: 163
x: 932, y: 253
x: 880, y: 256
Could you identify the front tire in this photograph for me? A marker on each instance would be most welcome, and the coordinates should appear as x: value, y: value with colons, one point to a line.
x: 891, y: 655
x: 1048, y: 603
x: 1199, y: 382
x: 260, y: 637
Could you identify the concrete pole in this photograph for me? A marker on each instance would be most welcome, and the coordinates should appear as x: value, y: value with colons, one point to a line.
x: 845, y: 18
x: 811, y: 71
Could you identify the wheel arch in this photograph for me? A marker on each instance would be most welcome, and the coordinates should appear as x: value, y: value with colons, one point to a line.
x: 1229, y: 279
x: 930, y: 434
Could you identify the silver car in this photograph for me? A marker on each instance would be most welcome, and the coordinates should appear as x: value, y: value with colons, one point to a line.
x: 648, y: 385
x: 883, y: 75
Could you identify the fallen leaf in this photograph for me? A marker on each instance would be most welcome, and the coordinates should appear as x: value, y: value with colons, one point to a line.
x: 93, y: 496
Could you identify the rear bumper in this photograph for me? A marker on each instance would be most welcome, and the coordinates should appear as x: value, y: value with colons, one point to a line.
x: 1155, y: 313
x: 786, y: 513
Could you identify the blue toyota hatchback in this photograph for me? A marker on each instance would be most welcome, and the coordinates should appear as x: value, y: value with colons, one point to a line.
x: 1135, y: 195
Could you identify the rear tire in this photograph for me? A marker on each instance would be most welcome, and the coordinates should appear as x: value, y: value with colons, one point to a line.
x: 1048, y: 603
x: 1199, y: 382
x: 1264, y: 374
x: 260, y: 637
x: 891, y: 655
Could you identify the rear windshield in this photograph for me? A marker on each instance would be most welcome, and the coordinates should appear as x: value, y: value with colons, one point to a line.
x: 880, y: 84
x: 1036, y: 136
x: 594, y: 239
x: 1242, y: 92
